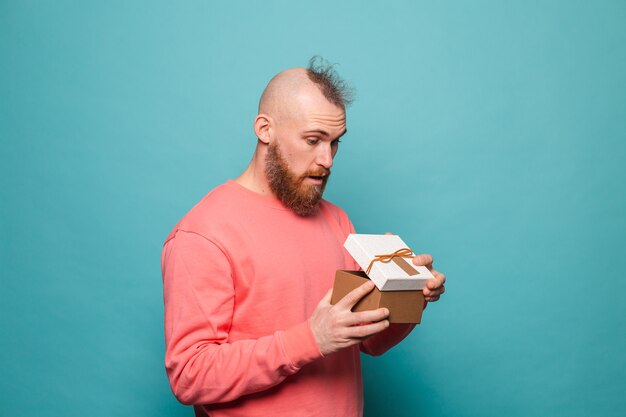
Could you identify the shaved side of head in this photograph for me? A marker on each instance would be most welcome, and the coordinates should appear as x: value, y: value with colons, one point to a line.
x: 279, y: 99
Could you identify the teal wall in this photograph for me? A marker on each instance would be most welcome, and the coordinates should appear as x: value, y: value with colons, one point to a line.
x: 491, y: 134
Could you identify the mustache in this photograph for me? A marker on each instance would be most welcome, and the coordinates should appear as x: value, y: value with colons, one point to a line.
x: 322, y: 172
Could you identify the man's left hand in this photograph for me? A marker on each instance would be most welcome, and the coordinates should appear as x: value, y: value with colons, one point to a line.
x: 434, y: 286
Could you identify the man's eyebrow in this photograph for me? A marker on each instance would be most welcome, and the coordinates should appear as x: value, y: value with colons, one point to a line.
x: 325, y: 133
x: 320, y: 131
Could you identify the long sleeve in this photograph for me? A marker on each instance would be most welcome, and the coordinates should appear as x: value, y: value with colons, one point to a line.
x: 202, y: 364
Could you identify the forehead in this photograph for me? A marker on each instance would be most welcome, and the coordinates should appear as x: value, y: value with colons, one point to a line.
x: 314, y: 110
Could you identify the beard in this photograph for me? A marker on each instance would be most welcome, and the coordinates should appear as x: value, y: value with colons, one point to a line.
x: 290, y: 188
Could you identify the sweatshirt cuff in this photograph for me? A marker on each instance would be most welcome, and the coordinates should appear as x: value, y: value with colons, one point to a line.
x: 300, y: 345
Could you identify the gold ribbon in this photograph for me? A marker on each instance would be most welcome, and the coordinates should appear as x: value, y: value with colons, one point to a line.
x: 398, y: 256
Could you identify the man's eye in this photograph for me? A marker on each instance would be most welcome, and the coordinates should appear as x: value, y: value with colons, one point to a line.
x: 336, y: 142
x: 312, y: 141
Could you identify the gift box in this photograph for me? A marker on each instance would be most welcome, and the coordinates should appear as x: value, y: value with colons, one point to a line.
x: 404, y: 306
x: 386, y: 260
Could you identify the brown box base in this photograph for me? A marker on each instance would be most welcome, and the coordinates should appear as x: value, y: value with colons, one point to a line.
x: 404, y: 306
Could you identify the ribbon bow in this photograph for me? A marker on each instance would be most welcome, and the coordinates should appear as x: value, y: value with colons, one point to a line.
x: 400, y: 253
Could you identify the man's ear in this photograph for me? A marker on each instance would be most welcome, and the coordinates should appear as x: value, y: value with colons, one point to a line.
x: 262, y: 126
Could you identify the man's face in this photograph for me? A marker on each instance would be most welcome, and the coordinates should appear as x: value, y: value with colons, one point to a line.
x: 305, y: 141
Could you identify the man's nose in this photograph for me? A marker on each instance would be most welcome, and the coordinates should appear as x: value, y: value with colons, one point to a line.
x: 325, y: 156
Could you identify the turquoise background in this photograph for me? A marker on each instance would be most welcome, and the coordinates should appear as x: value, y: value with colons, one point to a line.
x: 491, y: 134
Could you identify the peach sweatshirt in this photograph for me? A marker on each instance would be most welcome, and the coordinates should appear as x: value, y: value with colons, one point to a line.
x: 241, y: 275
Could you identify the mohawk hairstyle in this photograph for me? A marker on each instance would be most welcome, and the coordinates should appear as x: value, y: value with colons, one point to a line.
x: 334, y: 88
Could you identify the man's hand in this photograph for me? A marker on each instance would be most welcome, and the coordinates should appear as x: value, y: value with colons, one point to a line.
x: 434, y: 287
x: 335, y: 327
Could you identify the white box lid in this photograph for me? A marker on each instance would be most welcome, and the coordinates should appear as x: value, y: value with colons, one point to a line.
x: 394, y: 274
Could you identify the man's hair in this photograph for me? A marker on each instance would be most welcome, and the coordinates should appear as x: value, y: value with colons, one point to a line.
x: 334, y: 88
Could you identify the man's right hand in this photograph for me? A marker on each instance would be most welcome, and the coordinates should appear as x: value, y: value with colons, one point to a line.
x: 335, y: 327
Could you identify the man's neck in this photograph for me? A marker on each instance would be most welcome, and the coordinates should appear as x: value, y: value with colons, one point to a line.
x: 254, y: 178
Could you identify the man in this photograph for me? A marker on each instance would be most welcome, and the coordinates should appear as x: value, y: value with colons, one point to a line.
x: 247, y: 273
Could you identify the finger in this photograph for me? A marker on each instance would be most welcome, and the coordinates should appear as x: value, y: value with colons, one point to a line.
x: 423, y: 260
x: 432, y: 299
x: 436, y: 282
x: 436, y: 291
x: 366, y: 330
x: 433, y: 283
x: 369, y: 316
x: 439, y: 276
x: 388, y: 233
x: 353, y: 297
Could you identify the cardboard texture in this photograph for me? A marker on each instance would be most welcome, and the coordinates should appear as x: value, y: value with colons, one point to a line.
x: 404, y: 306
x: 394, y: 274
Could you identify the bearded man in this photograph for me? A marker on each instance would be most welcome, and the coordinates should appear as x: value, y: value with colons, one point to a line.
x: 247, y: 273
